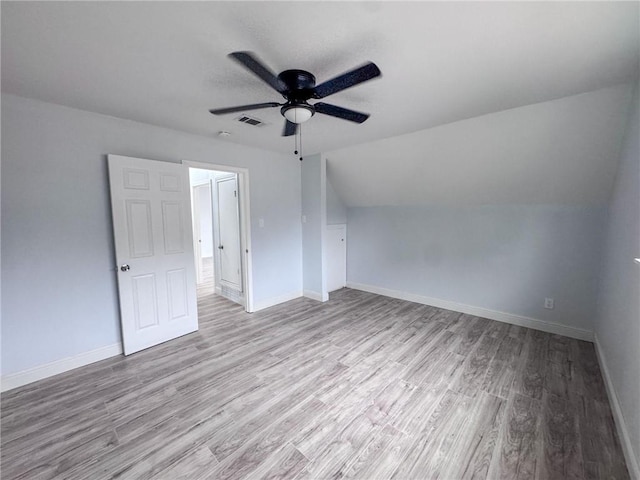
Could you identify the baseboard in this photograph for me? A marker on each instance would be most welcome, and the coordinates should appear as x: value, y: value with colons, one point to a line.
x: 18, y: 379
x: 314, y: 295
x: 233, y: 295
x: 534, y: 323
x: 271, y: 302
x: 621, y: 426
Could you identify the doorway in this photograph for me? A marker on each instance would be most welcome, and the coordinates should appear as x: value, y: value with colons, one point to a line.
x: 202, y: 212
x: 220, y: 238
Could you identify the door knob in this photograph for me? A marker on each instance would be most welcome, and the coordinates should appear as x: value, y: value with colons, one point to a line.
x: 221, y: 247
x: 124, y: 267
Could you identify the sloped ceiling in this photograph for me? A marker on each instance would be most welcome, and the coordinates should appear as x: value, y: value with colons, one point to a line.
x: 164, y: 63
x: 558, y: 152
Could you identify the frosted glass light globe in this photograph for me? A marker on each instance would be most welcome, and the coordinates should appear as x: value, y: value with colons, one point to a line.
x: 298, y: 114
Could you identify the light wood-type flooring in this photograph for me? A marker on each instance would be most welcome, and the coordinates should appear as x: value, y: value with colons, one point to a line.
x: 362, y: 386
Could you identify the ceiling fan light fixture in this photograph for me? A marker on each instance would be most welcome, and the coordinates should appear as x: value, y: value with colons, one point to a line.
x: 298, y: 113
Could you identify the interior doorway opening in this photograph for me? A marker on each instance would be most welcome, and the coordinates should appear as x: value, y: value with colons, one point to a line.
x: 202, y: 212
x: 218, y: 236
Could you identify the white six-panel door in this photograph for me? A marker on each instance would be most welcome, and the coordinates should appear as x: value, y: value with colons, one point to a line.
x: 150, y: 204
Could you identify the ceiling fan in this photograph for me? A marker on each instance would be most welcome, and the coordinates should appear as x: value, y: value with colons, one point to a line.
x: 297, y: 87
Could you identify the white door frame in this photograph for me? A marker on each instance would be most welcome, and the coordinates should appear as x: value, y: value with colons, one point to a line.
x: 245, y: 222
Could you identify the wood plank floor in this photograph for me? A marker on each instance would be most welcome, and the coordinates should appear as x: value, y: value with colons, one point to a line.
x: 362, y: 386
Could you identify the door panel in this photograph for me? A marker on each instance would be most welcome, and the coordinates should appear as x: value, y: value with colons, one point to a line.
x: 154, y: 251
x: 170, y: 182
x: 336, y: 239
x: 135, y: 179
x: 173, y: 226
x: 139, y: 228
x: 229, y: 231
x: 178, y: 294
x: 145, y: 300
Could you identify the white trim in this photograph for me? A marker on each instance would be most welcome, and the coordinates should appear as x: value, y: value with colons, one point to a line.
x: 323, y: 227
x: 534, y: 323
x: 621, y: 426
x: 245, y: 214
x: 40, y: 372
x: 271, y: 302
x: 315, y: 295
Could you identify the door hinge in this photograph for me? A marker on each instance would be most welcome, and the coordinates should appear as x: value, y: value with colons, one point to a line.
x: 235, y: 193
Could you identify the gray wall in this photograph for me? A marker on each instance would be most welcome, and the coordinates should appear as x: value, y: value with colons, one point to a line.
x: 504, y: 258
x: 336, y: 210
x: 314, y: 208
x: 618, y: 321
x: 58, y: 276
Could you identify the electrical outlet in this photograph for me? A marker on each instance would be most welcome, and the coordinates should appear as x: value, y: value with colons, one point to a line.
x: 548, y: 303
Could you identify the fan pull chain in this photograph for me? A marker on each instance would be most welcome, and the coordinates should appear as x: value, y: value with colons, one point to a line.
x: 300, y: 130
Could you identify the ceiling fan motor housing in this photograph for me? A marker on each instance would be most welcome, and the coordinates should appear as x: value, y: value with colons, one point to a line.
x: 300, y: 84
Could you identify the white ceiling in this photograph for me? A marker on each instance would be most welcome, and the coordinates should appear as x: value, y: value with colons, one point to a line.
x: 165, y: 63
x: 434, y: 135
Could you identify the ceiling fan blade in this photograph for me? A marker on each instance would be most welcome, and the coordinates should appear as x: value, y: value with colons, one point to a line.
x: 240, y: 108
x: 346, y: 80
x: 290, y: 128
x: 252, y: 63
x: 340, y: 112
